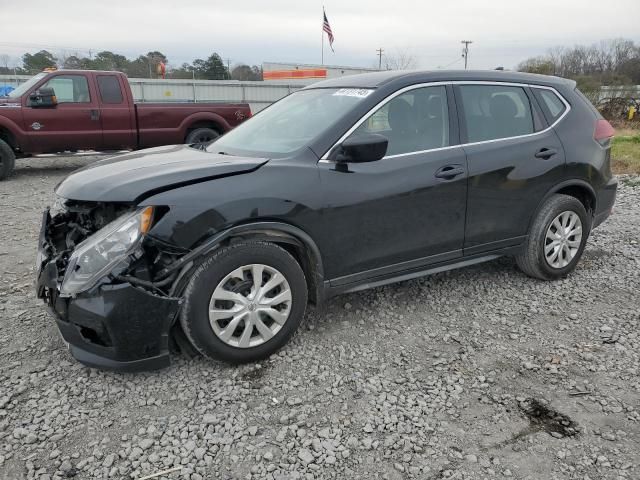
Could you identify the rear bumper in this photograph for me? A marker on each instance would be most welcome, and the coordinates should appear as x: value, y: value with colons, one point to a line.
x: 606, y: 200
x: 115, y: 327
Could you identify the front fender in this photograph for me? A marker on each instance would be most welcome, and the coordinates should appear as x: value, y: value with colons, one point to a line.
x: 18, y: 136
x: 276, y: 232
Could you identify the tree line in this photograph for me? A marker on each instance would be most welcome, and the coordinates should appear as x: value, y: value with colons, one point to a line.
x: 609, y: 62
x: 144, y: 66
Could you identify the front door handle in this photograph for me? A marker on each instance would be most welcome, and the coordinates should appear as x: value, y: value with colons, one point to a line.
x: 449, y: 172
x: 545, y: 153
x: 95, y: 114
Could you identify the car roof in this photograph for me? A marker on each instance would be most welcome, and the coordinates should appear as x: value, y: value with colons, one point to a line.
x: 408, y: 77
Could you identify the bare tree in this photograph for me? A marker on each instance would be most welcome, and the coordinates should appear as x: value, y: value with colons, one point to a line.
x: 400, y: 60
x: 4, y: 62
x: 610, y: 61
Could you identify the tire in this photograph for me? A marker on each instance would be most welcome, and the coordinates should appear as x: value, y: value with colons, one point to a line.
x: 537, y: 256
x: 209, y: 280
x: 7, y: 160
x: 201, y: 137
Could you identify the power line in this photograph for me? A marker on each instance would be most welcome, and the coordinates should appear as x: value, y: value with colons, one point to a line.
x: 449, y: 64
x: 465, y: 51
x: 380, y: 51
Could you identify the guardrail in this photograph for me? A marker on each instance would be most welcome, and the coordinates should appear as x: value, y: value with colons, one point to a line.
x: 257, y: 94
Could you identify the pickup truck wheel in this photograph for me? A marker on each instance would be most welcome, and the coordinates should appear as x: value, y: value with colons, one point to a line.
x: 244, y: 302
x: 201, y: 137
x: 7, y: 160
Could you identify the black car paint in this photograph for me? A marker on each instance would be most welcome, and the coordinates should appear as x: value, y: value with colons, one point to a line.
x: 349, y: 220
x: 132, y: 176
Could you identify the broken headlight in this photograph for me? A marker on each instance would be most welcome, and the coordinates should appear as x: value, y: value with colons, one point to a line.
x: 99, y: 253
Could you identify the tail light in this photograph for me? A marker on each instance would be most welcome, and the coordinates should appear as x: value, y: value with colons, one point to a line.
x: 603, y: 132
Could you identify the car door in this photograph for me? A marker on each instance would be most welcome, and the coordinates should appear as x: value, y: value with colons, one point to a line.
x: 116, y: 113
x: 72, y: 124
x: 406, y: 210
x: 513, y: 159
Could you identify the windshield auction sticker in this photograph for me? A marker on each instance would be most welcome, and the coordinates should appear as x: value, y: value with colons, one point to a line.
x: 353, y: 92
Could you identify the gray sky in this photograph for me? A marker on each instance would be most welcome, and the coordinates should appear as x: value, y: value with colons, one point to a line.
x: 504, y: 32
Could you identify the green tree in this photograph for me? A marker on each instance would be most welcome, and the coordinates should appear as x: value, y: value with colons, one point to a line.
x: 245, y: 72
x: 213, y: 68
x: 184, y: 72
x: 145, y: 65
x: 75, y: 63
x: 34, y: 63
x: 108, y: 61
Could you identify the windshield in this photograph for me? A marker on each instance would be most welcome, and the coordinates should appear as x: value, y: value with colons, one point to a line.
x: 291, y: 123
x: 26, y: 85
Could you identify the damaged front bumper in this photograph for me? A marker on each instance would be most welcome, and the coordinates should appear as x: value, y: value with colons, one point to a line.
x: 114, y: 325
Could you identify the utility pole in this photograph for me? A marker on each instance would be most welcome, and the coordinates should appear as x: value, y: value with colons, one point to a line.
x: 380, y: 51
x: 465, y: 51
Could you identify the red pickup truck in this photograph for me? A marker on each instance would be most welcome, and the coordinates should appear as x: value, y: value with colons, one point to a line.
x: 70, y: 110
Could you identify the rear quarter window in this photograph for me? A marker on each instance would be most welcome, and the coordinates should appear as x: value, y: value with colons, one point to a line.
x: 552, y: 106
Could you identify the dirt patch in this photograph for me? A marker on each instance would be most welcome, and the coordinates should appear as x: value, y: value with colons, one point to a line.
x: 543, y: 418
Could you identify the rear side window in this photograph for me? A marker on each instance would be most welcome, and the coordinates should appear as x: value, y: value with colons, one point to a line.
x: 551, y: 104
x: 109, y: 87
x: 415, y: 121
x: 492, y: 112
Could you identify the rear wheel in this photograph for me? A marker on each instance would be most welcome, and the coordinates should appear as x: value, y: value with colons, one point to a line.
x: 244, y: 302
x: 557, y: 239
x: 201, y: 137
x: 7, y: 160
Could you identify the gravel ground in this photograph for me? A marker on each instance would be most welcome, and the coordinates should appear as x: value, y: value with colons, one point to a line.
x: 471, y: 374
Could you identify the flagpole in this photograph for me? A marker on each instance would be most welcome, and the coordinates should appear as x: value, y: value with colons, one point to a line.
x: 322, y: 33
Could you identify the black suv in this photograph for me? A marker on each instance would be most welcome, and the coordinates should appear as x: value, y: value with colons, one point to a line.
x: 344, y: 185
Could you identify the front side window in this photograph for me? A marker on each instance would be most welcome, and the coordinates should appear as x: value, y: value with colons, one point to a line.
x: 70, y: 88
x: 492, y: 112
x: 415, y: 121
x: 291, y: 123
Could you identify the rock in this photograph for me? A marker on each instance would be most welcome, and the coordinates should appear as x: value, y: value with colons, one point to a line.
x: 108, y: 460
x: 146, y: 443
x: 209, y: 419
x: 306, y: 456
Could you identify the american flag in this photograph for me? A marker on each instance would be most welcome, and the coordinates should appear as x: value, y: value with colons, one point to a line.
x: 327, y: 28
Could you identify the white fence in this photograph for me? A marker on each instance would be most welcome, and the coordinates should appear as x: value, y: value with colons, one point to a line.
x: 257, y: 94
x: 626, y: 91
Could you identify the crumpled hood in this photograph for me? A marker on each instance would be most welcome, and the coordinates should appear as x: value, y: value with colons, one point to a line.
x: 133, y: 176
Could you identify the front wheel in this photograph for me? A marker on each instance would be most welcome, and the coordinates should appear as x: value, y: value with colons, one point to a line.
x: 556, y: 240
x: 244, y: 302
x: 7, y: 160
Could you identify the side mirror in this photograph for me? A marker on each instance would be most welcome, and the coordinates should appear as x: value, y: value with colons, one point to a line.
x: 43, y: 98
x: 367, y: 147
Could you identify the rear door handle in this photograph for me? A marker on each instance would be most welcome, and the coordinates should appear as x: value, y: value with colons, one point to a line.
x: 449, y: 172
x: 94, y: 114
x: 545, y: 153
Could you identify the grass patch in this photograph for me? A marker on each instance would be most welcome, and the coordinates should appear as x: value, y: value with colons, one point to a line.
x: 625, y: 154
